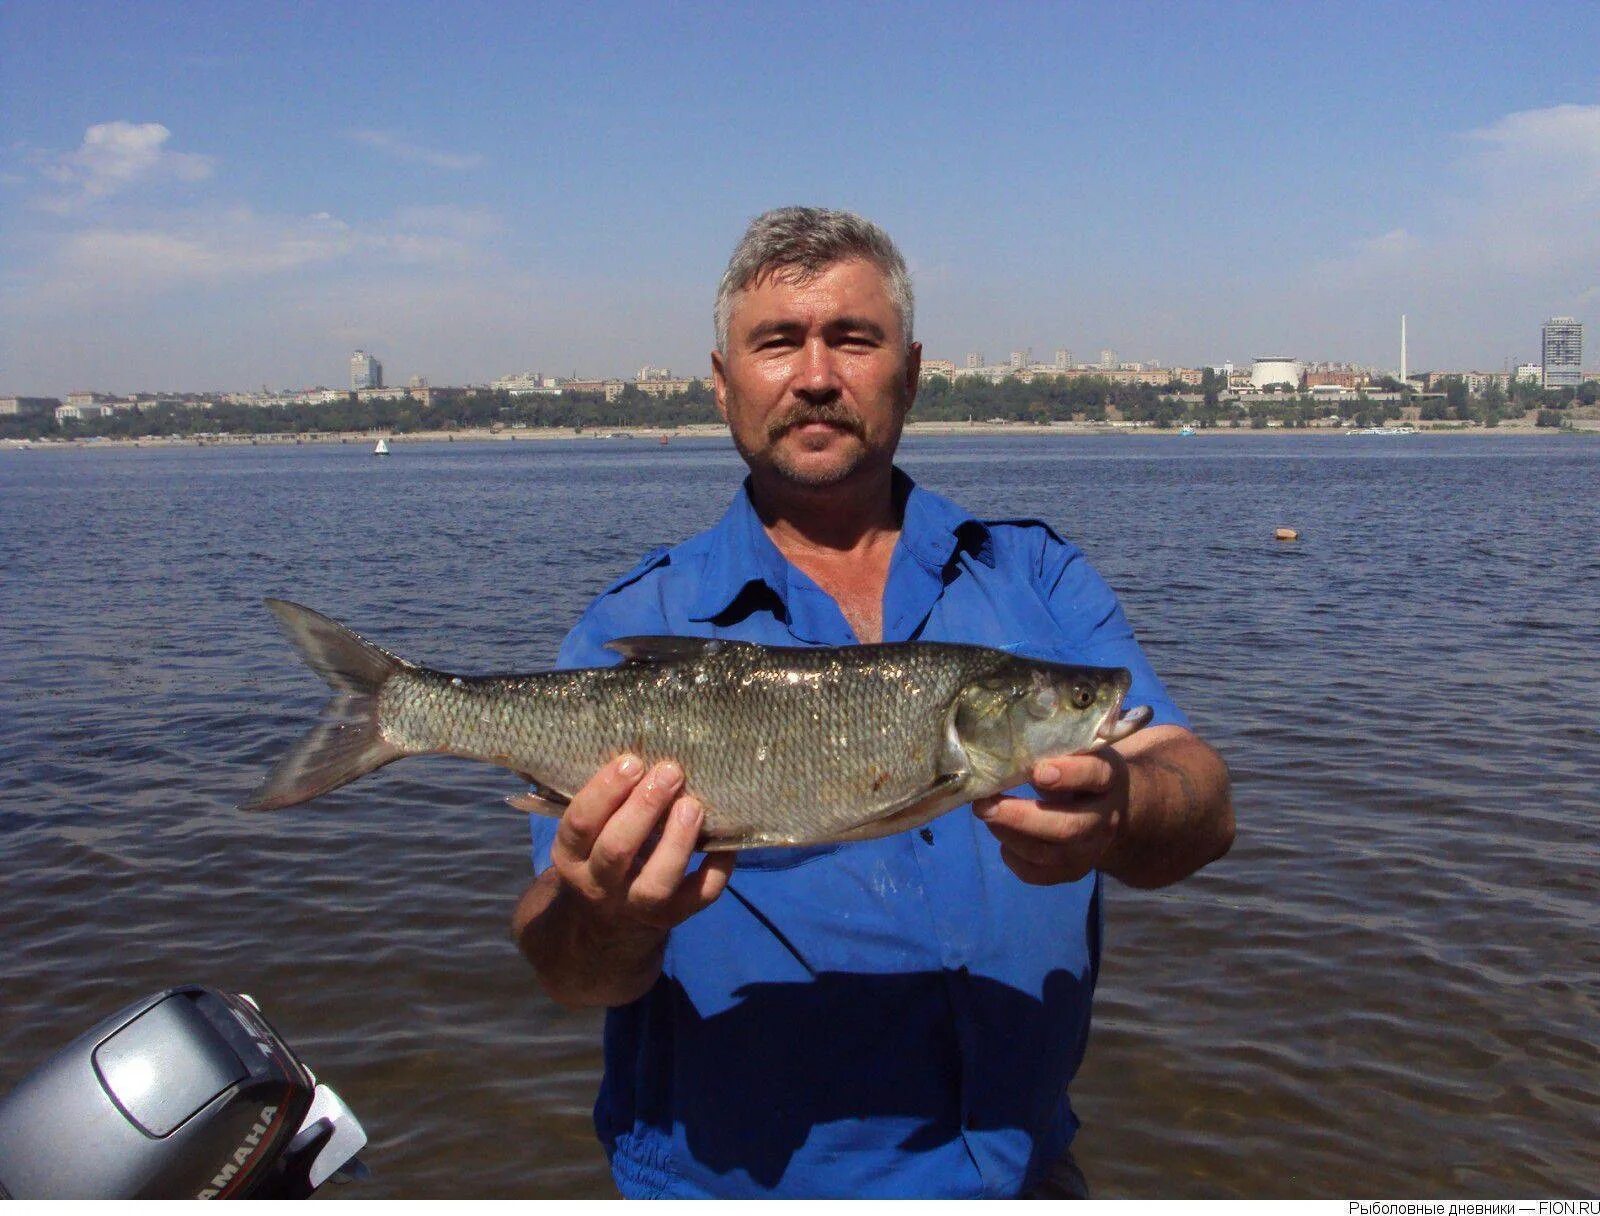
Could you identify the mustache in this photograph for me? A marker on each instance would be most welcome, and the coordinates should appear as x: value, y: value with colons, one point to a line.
x: 834, y: 413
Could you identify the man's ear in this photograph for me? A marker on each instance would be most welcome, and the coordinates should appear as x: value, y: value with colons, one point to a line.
x: 913, y: 373
x: 719, y: 383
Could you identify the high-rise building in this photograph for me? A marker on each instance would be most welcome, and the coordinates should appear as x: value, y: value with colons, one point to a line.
x: 365, y: 371
x: 1108, y: 358
x: 974, y: 358
x: 1063, y: 358
x: 1021, y: 359
x: 1563, y: 352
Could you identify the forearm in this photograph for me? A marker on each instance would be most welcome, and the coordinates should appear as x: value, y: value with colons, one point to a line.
x: 582, y: 959
x: 1180, y: 809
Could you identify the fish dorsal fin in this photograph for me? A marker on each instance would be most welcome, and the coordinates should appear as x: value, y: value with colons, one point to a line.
x: 655, y: 648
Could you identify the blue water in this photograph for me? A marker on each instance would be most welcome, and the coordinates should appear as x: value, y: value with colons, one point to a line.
x: 1390, y: 987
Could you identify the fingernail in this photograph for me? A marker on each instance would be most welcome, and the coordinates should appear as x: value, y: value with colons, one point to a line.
x: 667, y: 774
x: 1047, y: 773
x: 687, y: 812
x: 630, y: 766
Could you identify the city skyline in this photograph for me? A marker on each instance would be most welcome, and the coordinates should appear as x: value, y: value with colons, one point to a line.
x: 1162, y: 182
x: 1561, y: 353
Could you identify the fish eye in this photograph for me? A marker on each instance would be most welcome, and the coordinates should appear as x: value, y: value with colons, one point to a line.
x: 1082, y: 696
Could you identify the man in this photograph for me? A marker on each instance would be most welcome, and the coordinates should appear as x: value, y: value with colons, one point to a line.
x: 887, y: 1017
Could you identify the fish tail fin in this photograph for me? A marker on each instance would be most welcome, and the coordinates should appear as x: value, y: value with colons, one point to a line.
x: 347, y: 742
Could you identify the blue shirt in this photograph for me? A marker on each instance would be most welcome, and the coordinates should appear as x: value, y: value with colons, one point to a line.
x: 895, y: 1017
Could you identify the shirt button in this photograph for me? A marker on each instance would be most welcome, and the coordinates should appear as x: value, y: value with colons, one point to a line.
x: 927, y: 835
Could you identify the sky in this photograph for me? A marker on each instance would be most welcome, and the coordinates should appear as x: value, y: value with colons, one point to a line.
x: 235, y: 195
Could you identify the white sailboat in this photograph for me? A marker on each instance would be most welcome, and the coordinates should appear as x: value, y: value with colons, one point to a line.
x: 382, y: 448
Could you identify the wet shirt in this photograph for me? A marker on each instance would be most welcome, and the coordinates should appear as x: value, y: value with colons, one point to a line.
x: 894, y: 1017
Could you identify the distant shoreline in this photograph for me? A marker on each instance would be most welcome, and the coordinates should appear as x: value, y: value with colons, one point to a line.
x: 652, y: 434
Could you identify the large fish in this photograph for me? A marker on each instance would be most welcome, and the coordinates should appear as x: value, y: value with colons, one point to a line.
x: 781, y: 746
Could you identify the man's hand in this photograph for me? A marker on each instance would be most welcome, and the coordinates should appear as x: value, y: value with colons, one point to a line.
x: 1067, y: 831
x: 594, y: 924
x: 1149, y: 811
x: 603, y: 847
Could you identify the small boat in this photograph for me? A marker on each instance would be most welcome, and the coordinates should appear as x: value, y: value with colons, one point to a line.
x: 382, y: 448
x: 1185, y: 431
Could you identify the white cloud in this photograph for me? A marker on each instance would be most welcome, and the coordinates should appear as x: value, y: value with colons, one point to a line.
x: 401, y: 149
x: 213, y: 247
x: 1503, y: 233
x: 205, y: 248
x: 1523, y: 199
x: 1557, y: 147
x: 238, y: 296
x: 115, y: 156
x: 440, y: 233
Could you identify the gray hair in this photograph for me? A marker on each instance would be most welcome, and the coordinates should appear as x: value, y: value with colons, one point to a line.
x: 806, y: 241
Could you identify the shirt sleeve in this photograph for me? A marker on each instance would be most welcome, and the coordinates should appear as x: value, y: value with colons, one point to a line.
x: 1086, y: 608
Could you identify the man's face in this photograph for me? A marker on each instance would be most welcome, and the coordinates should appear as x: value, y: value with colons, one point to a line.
x: 816, y: 381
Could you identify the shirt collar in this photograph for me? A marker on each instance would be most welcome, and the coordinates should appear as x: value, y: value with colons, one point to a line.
x: 934, y: 531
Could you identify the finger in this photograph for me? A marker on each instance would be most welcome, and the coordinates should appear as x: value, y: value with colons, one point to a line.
x: 1048, y: 823
x: 662, y: 873
x: 618, y: 844
x: 1033, y: 873
x: 593, y: 805
x: 701, y: 888
x: 1030, y: 848
x: 1091, y: 773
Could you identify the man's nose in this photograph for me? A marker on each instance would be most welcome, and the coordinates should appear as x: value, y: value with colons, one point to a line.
x: 819, y: 373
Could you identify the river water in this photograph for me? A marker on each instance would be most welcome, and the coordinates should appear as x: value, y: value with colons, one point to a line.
x: 1390, y: 987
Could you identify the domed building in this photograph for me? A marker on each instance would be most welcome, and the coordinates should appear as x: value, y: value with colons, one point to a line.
x: 1276, y: 370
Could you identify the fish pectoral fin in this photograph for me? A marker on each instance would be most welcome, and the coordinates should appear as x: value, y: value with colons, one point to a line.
x: 658, y: 648
x: 535, y: 805
x: 540, y: 800
x: 905, y: 813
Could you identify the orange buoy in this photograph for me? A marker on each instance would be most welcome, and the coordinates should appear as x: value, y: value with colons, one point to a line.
x: 1286, y: 534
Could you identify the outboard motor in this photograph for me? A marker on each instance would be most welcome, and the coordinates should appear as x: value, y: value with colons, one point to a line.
x: 187, y: 1094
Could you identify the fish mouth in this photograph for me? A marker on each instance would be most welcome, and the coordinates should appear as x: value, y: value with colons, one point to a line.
x: 1117, y: 726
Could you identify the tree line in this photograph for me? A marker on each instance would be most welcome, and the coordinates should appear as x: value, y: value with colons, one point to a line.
x: 1046, y: 399
x: 444, y: 412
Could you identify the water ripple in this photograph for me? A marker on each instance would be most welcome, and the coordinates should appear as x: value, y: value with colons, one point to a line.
x: 1397, y: 966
